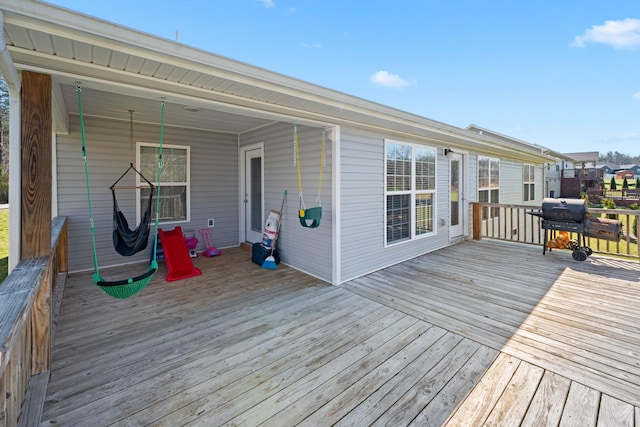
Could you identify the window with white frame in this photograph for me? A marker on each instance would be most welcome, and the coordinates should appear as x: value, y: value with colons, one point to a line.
x: 489, y: 182
x: 529, y: 178
x: 410, y: 175
x: 174, y: 179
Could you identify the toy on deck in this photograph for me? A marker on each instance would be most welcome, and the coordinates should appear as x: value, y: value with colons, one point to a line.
x: 191, y: 241
x: 211, y: 250
x: 176, y: 255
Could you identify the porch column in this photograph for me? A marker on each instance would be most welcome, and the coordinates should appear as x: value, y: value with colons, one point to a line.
x: 36, y: 165
x: 36, y: 131
x: 476, y: 209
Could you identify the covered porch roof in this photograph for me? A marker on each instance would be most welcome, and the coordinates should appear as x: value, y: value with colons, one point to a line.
x: 122, y: 69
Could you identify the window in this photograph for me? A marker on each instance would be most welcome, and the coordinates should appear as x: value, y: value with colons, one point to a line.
x: 489, y: 182
x: 410, y: 173
x: 529, y: 178
x: 174, y: 190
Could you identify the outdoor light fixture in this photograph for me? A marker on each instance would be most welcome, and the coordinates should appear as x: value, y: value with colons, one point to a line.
x: 447, y: 151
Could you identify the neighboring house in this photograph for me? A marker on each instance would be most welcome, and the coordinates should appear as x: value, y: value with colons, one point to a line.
x: 624, y: 173
x: 395, y: 185
x: 607, y: 168
x: 556, y: 174
x: 635, y: 169
x: 581, y: 176
x: 610, y: 169
x: 584, y: 159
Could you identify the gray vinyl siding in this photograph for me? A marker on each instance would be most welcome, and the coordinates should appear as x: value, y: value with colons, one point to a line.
x: 309, y: 250
x: 510, y: 182
x: 512, y: 185
x: 363, y: 214
x: 215, y: 192
x: 214, y: 183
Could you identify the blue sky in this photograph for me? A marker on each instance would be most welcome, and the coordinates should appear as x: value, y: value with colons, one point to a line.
x: 564, y: 74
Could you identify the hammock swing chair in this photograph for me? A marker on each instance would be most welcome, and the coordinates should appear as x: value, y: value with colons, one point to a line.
x: 309, y: 218
x: 126, y: 241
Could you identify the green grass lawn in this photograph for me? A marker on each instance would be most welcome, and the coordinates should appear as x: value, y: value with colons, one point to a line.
x: 4, y: 243
x: 630, y: 182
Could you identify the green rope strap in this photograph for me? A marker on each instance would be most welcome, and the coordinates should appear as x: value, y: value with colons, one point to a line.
x: 158, y: 177
x: 96, y: 274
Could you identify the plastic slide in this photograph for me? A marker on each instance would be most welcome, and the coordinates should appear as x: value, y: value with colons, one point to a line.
x: 176, y: 255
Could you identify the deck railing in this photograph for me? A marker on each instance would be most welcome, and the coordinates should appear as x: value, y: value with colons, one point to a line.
x: 29, y: 300
x: 514, y: 223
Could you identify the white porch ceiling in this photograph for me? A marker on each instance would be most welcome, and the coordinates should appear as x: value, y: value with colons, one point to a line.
x: 112, y: 105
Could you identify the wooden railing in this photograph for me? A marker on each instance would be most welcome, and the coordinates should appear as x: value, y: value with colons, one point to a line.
x: 514, y: 223
x: 29, y: 301
x: 632, y: 194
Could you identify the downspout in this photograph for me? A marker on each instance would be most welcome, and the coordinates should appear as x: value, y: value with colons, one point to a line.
x: 12, y: 78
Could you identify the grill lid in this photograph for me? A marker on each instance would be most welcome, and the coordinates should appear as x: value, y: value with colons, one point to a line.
x: 574, y: 210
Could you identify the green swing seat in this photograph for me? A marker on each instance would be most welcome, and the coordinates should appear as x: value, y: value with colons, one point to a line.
x: 126, y: 288
x: 310, y: 218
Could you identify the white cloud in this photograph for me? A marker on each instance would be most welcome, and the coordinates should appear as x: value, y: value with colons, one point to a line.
x: 636, y: 95
x: 384, y: 78
x: 267, y: 3
x: 311, y: 45
x: 624, y: 34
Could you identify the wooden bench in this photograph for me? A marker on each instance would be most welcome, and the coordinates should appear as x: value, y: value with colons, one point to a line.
x: 632, y: 194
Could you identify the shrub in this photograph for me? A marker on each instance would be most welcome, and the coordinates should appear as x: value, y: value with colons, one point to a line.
x: 609, y: 204
x: 625, y: 184
x: 637, y: 182
x: 613, y: 185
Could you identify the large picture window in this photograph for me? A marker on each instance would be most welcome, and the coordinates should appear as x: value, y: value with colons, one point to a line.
x: 489, y: 182
x: 410, y: 173
x: 174, y: 191
x: 529, y: 179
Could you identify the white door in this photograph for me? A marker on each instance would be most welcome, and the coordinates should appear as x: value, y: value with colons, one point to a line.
x: 252, y: 194
x: 456, y: 195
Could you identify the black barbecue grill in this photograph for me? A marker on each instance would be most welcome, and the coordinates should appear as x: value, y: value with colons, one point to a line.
x: 565, y: 215
x: 571, y: 215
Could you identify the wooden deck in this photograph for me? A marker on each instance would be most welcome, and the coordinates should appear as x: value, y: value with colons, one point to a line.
x: 480, y: 333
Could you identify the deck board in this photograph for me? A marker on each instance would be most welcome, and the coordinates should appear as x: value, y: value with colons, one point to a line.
x: 548, y: 403
x: 481, y: 333
x: 570, y: 318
